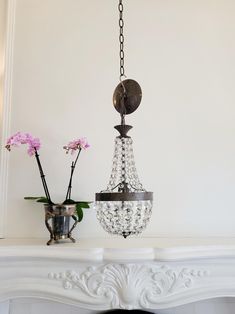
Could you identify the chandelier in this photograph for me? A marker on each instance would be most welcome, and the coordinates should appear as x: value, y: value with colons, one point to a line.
x: 124, y: 207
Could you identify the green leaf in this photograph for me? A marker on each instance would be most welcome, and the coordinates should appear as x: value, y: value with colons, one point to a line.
x: 79, y: 212
x: 39, y: 199
x: 83, y: 204
x: 69, y: 201
x: 43, y: 200
x: 32, y: 197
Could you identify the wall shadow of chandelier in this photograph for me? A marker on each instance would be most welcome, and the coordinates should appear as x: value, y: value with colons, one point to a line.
x: 124, y: 207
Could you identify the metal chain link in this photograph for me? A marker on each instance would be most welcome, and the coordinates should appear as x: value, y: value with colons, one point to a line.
x: 121, y: 40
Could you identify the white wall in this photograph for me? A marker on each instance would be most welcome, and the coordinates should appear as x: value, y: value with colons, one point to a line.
x: 2, y: 32
x: 3, y: 176
x: 2, y: 50
x: 2, y: 37
x: 64, y: 72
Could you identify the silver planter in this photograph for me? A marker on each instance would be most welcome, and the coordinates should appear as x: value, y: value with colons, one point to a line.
x: 59, y: 216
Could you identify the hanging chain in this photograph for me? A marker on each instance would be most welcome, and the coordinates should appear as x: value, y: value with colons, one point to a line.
x: 121, y: 40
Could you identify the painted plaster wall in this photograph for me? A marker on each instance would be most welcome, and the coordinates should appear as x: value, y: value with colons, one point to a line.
x: 65, y: 68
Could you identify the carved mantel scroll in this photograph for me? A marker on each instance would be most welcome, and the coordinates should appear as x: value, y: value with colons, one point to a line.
x: 129, y: 286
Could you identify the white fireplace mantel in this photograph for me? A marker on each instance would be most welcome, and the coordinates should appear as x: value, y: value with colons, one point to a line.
x: 100, y: 274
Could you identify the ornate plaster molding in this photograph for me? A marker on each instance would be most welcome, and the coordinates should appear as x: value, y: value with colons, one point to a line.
x: 129, y: 286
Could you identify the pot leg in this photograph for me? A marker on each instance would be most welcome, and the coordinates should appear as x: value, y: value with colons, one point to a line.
x: 70, y: 231
x: 47, y: 218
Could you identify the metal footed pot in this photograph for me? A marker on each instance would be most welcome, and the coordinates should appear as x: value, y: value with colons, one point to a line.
x: 59, y: 217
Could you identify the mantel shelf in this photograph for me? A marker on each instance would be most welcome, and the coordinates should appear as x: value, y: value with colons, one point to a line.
x: 101, y: 274
x: 159, y: 249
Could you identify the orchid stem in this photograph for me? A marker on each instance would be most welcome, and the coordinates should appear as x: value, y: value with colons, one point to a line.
x: 43, y: 178
x: 69, y: 190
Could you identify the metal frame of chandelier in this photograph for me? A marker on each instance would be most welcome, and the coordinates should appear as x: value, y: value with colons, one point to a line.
x: 124, y: 207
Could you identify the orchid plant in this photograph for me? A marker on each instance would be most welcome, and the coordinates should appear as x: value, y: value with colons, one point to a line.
x: 74, y: 147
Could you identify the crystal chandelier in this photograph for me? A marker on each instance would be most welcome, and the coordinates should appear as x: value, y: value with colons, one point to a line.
x: 124, y: 207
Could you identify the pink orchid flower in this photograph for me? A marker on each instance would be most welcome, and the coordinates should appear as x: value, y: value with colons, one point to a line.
x: 24, y: 138
x: 74, y: 145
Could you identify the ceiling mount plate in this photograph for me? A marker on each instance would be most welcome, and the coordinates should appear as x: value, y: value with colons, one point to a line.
x: 127, y: 96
